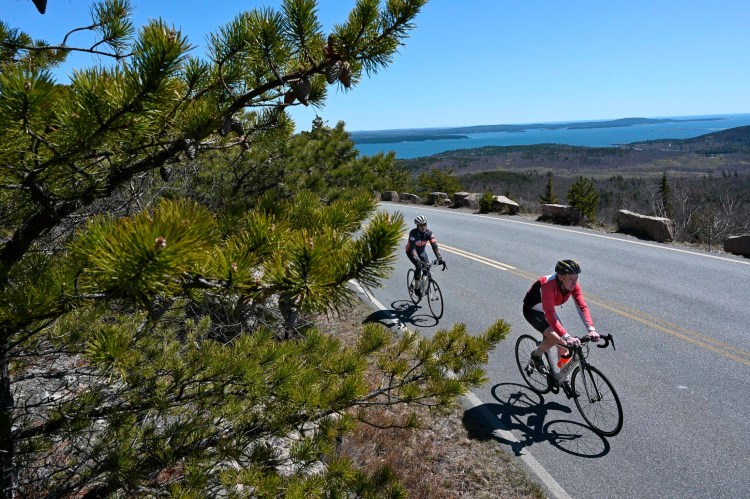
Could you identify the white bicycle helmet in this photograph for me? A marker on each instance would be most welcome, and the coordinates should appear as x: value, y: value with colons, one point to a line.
x: 421, y: 219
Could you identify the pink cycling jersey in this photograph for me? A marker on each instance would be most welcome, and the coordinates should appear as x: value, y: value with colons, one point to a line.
x: 546, y: 293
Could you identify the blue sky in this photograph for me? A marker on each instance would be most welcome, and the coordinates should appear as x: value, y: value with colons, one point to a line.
x: 475, y: 62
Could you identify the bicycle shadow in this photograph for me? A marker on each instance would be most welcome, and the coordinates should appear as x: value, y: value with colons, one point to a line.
x: 405, y: 313
x: 523, y: 411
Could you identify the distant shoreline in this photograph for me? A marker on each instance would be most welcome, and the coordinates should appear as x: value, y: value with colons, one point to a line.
x: 460, y: 133
x: 407, y: 138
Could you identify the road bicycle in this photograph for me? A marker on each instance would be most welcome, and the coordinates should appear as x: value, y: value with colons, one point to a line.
x: 428, y: 288
x: 594, y: 396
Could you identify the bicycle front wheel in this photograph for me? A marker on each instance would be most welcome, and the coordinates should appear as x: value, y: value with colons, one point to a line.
x: 435, y: 299
x: 597, y: 401
x: 410, y: 286
x: 537, y: 381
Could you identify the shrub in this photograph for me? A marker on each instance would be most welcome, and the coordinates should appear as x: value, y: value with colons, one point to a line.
x: 485, y: 202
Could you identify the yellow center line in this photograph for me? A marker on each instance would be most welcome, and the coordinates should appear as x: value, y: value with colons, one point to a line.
x: 670, y: 328
x: 680, y: 332
x: 478, y: 258
x: 719, y: 347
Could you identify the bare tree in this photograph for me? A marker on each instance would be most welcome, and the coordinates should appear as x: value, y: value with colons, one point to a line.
x: 718, y: 219
x: 686, y: 203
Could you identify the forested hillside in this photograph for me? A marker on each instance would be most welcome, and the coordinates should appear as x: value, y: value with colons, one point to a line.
x: 707, y: 177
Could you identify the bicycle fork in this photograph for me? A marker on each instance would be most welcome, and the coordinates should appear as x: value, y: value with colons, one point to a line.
x: 597, y: 396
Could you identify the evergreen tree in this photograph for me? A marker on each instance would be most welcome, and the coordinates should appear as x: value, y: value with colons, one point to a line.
x: 486, y: 202
x: 549, y: 196
x: 582, y: 195
x: 155, y: 349
x: 325, y: 160
x: 438, y: 180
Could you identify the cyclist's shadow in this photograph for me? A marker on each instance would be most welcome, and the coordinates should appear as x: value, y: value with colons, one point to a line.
x: 521, y: 410
x: 406, y: 313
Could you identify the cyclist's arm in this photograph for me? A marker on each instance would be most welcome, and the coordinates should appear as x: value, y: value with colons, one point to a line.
x: 435, y: 249
x: 583, y: 309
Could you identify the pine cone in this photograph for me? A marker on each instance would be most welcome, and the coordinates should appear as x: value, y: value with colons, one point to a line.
x: 333, y: 70
x: 289, y: 98
x: 226, y: 126
x: 165, y: 172
x: 346, y: 75
x: 330, y: 49
x: 41, y: 5
x: 302, y: 90
x: 237, y: 127
x: 190, y: 149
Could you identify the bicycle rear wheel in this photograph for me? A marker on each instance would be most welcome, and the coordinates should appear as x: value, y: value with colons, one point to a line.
x: 410, y: 286
x: 597, y: 401
x: 537, y: 381
x: 435, y: 299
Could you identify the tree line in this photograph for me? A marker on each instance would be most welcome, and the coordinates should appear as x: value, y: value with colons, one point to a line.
x: 705, y: 208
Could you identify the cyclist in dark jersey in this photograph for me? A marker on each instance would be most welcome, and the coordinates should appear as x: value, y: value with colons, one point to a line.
x: 539, y: 310
x: 416, y: 248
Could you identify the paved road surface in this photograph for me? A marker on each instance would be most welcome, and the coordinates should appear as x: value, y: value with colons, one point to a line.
x: 682, y: 365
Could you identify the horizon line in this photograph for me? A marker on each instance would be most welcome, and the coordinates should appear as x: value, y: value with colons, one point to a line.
x: 694, y: 117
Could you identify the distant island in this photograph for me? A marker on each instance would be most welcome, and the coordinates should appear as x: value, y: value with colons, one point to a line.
x: 388, y: 139
x: 459, y: 133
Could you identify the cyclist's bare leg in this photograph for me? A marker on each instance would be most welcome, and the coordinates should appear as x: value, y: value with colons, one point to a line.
x: 551, y: 339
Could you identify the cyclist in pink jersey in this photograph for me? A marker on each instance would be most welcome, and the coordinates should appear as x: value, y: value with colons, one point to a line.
x: 539, y: 304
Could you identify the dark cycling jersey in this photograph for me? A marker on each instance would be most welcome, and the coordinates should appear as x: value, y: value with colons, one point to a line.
x: 546, y: 293
x: 418, y: 240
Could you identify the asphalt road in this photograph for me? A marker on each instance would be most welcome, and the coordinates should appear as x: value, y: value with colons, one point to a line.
x: 682, y: 364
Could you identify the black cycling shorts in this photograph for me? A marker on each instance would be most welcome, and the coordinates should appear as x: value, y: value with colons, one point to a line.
x: 535, y: 318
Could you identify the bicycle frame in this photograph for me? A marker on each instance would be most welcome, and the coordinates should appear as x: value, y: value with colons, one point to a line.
x: 427, y: 287
x: 424, y: 281
x: 579, y: 358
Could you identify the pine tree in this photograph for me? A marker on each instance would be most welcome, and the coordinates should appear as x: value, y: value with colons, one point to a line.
x: 549, y: 196
x: 438, y: 180
x: 151, y: 344
x: 582, y: 195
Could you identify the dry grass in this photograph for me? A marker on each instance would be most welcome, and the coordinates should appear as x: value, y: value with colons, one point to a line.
x: 449, y: 456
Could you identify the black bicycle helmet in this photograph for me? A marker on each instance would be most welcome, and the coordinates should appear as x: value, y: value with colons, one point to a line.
x: 567, y: 267
x: 421, y: 219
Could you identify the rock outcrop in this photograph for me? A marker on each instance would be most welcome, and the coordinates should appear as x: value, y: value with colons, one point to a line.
x: 738, y: 245
x: 391, y: 196
x: 561, y: 214
x: 503, y: 204
x: 654, y: 228
x: 407, y: 197
x: 438, y: 199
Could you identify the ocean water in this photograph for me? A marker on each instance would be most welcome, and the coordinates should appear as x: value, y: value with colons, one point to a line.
x: 593, y: 137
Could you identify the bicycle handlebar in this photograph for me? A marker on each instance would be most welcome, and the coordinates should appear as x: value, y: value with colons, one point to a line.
x: 608, y: 338
x: 434, y: 263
